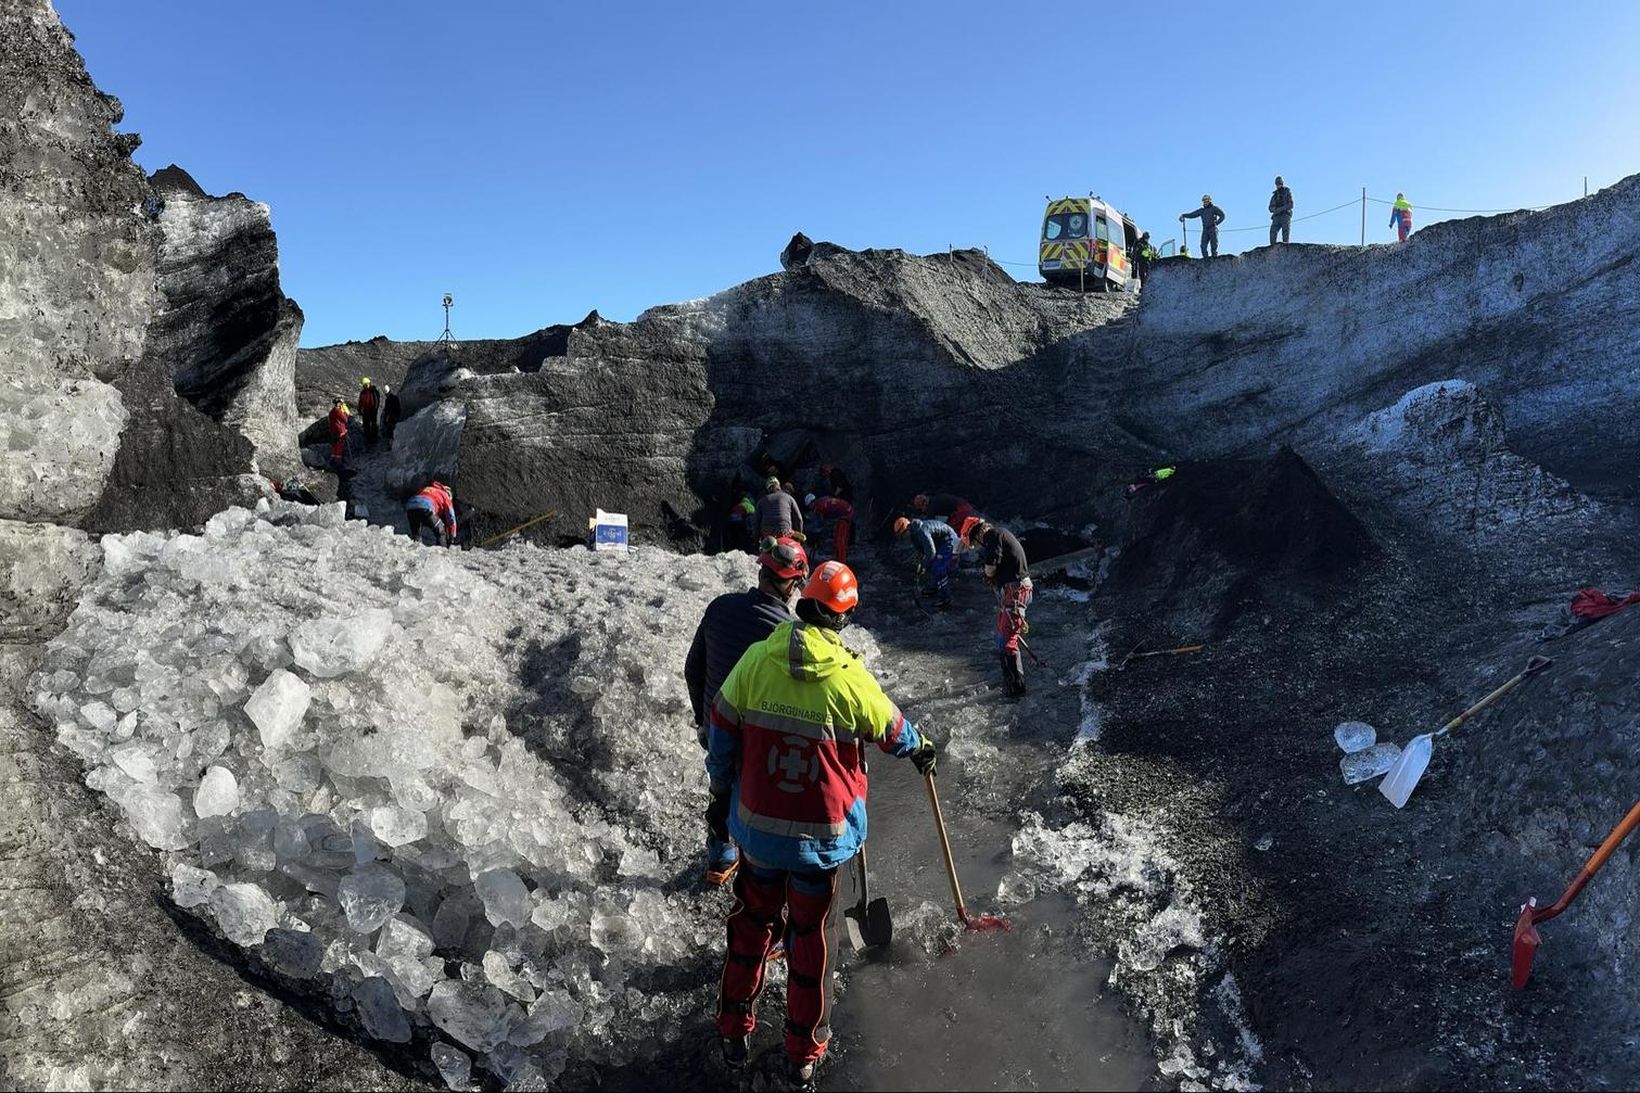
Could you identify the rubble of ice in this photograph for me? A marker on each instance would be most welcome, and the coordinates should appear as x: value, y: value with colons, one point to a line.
x: 1368, y: 763
x: 457, y: 793
x: 1354, y: 736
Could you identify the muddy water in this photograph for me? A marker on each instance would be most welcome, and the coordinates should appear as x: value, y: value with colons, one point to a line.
x: 1029, y: 1009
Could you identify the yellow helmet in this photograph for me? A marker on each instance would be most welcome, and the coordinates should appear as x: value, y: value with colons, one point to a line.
x: 365, y: 382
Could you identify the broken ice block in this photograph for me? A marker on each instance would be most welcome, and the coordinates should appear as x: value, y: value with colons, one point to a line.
x: 293, y: 952
x: 278, y: 706
x: 505, y: 897
x: 369, y: 897
x: 453, y: 1066
x: 244, y: 912
x: 396, y: 826
x: 1015, y: 888
x: 332, y: 647
x: 191, y: 887
x: 474, y: 1014
x: 379, y: 1010
x: 155, y: 814
x: 218, y: 793
x: 1368, y: 763
x: 1353, y: 736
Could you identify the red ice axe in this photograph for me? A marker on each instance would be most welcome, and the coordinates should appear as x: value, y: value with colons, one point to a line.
x: 985, y: 924
x: 1526, y: 934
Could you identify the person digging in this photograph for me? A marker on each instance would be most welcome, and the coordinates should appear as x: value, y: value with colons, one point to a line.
x: 936, y: 545
x: 1006, y: 570
x: 733, y: 623
x: 785, y: 755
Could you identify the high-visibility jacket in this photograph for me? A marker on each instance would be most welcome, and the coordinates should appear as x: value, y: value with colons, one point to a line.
x: 437, y: 500
x: 786, y: 737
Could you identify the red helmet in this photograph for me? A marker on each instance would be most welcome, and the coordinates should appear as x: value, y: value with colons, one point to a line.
x: 971, y: 529
x: 784, y: 557
x: 833, y: 587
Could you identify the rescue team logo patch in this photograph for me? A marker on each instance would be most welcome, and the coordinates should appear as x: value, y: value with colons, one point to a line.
x: 793, y: 763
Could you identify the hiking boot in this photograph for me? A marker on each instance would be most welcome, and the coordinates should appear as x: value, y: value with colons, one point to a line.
x: 800, y: 1075
x: 735, y: 1051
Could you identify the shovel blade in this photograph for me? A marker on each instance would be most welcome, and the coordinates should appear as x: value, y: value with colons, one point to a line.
x: 1403, y: 777
x: 987, y: 924
x: 856, y: 933
x: 1525, y: 948
x: 878, y: 929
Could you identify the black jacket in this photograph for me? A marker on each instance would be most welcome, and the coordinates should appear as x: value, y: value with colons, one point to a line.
x: 732, y: 624
x: 390, y: 406
x: 1281, y: 201
x: 1001, y: 549
x: 1211, y: 217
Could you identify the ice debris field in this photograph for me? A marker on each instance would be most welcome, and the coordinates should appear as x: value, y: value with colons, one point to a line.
x: 454, y: 792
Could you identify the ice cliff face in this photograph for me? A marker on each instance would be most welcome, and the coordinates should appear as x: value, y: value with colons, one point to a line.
x: 111, y: 302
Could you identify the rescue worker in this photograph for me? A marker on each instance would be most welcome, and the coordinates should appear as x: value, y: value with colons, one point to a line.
x: 1211, y: 217
x: 840, y: 515
x: 1184, y: 250
x: 1143, y: 256
x: 785, y: 756
x: 1007, y: 571
x: 1400, y: 217
x: 777, y: 512
x: 1281, y: 213
x: 368, y: 407
x: 936, y: 544
x: 390, y: 413
x: 741, y: 525
x: 837, y: 483
x: 433, y: 508
x: 338, y: 431
x: 1146, y: 480
x: 953, y: 509
x: 733, y: 623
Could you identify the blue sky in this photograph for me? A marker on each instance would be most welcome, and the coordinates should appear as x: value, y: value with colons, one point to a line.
x: 538, y: 160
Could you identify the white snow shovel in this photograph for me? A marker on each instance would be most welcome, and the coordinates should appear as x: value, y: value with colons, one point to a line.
x: 1403, y: 777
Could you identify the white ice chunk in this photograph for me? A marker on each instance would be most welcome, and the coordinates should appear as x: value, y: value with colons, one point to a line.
x: 218, y: 793
x: 1369, y: 763
x: 453, y: 1066
x: 191, y: 887
x: 395, y: 826
x: 369, y: 897
x: 331, y: 647
x: 1352, y: 736
x: 499, y: 971
x: 475, y: 1015
x: 278, y: 707
x: 244, y: 912
x: 505, y: 897
x: 155, y: 813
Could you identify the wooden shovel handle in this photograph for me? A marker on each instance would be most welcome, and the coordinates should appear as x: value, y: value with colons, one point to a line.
x: 945, y: 845
x: 1596, y: 860
x: 1533, y: 667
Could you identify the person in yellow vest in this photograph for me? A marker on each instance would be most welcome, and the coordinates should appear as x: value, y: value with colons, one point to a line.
x: 1400, y: 217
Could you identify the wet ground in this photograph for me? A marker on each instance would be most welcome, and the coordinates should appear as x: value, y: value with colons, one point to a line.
x: 1028, y: 1009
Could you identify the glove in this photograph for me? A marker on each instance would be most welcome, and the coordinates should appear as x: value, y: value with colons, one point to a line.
x: 717, y: 816
x: 924, y: 758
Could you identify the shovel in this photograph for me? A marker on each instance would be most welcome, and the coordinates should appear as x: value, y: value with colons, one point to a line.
x: 868, y: 922
x: 985, y: 924
x: 1137, y: 655
x: 1403, y: 777
x: 1526, y: 934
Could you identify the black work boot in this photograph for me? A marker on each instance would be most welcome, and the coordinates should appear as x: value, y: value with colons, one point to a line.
x: 735, y: 1050
x: 1013, y: 674
x: 800, y: 1075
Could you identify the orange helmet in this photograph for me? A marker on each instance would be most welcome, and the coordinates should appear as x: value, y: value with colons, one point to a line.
x: 833, y: 587
x: 900, y: 524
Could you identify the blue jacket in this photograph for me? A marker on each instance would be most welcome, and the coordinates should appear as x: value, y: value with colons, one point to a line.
x: 932, y: 537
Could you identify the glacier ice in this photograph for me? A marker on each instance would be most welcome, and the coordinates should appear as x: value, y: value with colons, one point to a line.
x: 218, y: 793
x: 1353, y: 736
x: 278, y: 707
x: 466, y: 779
